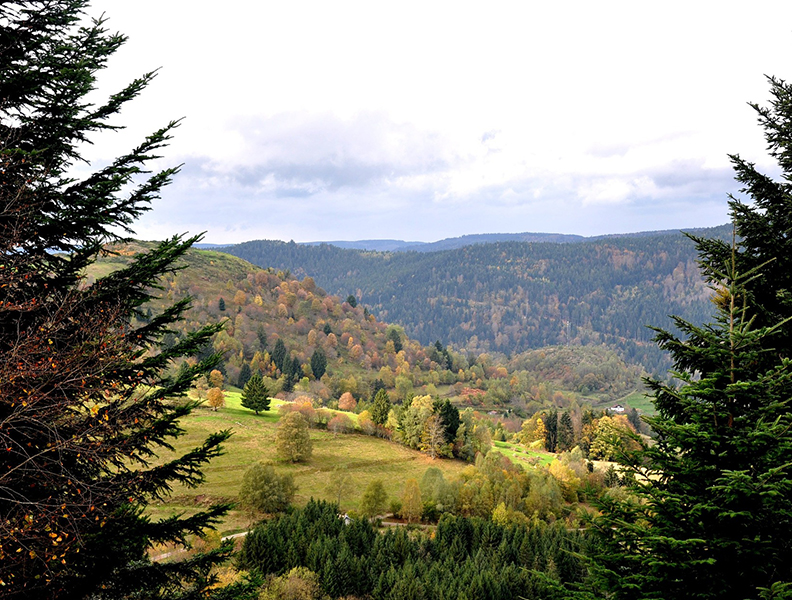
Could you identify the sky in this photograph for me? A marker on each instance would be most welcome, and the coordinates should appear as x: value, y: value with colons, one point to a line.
x: 426, y: 120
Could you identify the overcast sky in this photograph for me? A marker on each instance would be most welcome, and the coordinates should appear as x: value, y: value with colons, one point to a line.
x: 426, y: 120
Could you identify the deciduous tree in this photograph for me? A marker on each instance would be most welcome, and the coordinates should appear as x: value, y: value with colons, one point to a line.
x: 215, y: 397
x: 292, y: 439
x: 347, y: 402
x: 375, y: 499
x: 412, y: 504
x: 263, y: 490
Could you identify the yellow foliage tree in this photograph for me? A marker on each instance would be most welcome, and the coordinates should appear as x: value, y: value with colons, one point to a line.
x: 215, y: 398
x: 216, y: 379
x: 412, y: 504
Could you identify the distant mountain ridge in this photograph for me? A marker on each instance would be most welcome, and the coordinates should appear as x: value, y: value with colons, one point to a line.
x: 511, y: 296
x: 389, y: 245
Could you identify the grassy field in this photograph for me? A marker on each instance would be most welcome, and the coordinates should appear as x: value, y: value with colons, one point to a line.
x: 521, y: 455
x: 365, y: 459
x: 640, y: 401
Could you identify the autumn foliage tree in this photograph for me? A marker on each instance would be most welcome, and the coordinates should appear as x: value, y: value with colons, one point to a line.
x: 347, y: 402
x: 292, y: 439
x: 85, y: 398
x: 215, y: 397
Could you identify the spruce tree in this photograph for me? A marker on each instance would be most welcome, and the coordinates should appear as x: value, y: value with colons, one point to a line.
x: 85, y: 400
x: 763, y: 224
x: 381, y: 408
x: 714, y: 511
x: 255, y: 396
x: 566, y: 433
x: 244, y: 375
x: 279, y: 354
x: 318, y: 363
x: 714, y: 518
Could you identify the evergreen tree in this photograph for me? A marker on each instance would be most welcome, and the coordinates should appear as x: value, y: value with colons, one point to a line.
x: 449, y: 416
x: 221, y: 305
x: 255, y: 396
x: 85, y: 404
x: 327, y: 329
x: 764, y: 225
x: 351, y: 300
x: 261, y: 334
x: 716, y: 513
x: 381, y: 408
x: 279, y: 354
x: 394, y: 336
x: 318, y: 363
x: 566, y: 433
x: 551, y: 430
x: 244, y: 375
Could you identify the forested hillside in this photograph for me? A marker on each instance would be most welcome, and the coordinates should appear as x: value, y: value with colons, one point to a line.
x: 278, y: 326
x: 512, y: 296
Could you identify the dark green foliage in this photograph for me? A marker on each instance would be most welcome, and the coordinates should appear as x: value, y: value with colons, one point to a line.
x: 566, y: 433
x: 261, y: 334
x: 764, y: 224
x: 635, y: 419
x: 221, y: 305
x: 381, y: 408
x: 394, y: 336
x: 255, y: 395
x: 327, y: 329
x: 351, y: 300
x: 465, y: 558
x: 449, y: 417
x: 376, y: 386
x: 292, y: 372
x: 279, y: 354
x: 715, y: 513
x: 716, y: 516
x: 85, y: 399
x: 318, y: 363
x: 440, y: 355
x: 244, y: 375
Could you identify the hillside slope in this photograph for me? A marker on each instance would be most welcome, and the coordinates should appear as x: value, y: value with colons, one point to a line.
x: 512, y: 296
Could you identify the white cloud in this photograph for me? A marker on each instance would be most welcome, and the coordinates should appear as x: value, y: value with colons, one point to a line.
x: 311, y: 120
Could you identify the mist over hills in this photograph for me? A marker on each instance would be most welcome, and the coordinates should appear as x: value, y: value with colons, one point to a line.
x: 509, y: 296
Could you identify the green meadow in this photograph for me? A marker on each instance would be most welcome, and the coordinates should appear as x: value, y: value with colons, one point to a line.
x: 363, y: 458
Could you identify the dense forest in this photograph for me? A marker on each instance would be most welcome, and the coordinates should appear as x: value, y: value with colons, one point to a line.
x: 278, y: 326
x: 462, y: 558
x: 512, y: 296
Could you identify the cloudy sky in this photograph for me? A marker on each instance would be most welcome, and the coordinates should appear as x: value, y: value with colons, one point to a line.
x: 425, y: 120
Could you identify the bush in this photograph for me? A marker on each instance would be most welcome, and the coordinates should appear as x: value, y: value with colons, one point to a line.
x: 340, y: 424
x: 265, y: 491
